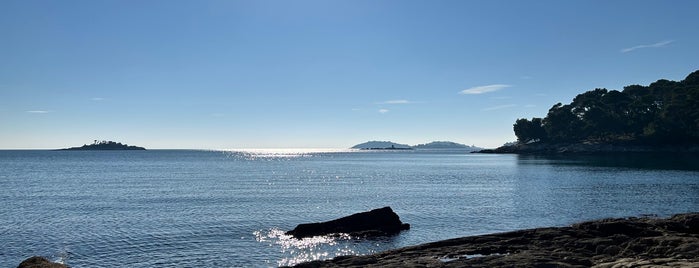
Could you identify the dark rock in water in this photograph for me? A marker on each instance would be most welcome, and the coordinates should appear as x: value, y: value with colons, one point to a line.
x: 377, y: 222
x: 606, y: 243
x: 40, y: 262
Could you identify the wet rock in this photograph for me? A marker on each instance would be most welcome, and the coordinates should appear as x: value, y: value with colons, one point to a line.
x: 40, y: 262
x: 630, y: 242
x: 377, y: 222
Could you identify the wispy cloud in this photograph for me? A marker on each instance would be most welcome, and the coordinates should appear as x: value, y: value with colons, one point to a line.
x: 396, y: 102
x: 656, y: 45
x: 98, y: 99
x: 483, y: 89
x: 499, y: 107
x: 383, y: 111
x: 38, y: 112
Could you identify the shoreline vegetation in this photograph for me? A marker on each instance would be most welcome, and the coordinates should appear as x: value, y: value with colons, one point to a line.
x: 589, y: 148
x: 660, y: 117
x: 104, y: 145
x: 621, y: 242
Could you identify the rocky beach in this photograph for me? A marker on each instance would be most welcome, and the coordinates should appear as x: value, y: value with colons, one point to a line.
x: 606, y: 243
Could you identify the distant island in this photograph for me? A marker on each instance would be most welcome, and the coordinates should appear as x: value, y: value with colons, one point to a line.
x: 103, y: 145
x: 660, y: 117
x: 447, y: 145
x: 381, y: 145
x: 435, y: 145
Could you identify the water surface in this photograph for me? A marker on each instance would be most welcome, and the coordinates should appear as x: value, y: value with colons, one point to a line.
x: 229, y: 208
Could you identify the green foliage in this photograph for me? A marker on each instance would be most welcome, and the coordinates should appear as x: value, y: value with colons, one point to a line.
x: 664, y: 112
x: 530, y: 131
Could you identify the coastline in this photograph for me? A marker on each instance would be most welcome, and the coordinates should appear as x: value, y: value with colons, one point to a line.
x: 620, y: 242
x: 589, y: 148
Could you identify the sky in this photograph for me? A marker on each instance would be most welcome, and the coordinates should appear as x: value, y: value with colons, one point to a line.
x: 319, y: 74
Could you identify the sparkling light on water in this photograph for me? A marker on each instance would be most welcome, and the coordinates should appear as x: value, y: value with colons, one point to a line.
x: 253, y: 154
x: 306, y: 249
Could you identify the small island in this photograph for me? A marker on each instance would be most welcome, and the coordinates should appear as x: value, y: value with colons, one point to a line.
x: 446, y: 145
x: 381, y: 145
x: 104, y: 145
x: 435, y: 145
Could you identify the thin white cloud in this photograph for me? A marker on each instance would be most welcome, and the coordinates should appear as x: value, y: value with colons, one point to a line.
x: 656, y: 45
x: 499, y: 107
x: 383, y: 111
x: 98, y: 99
x: 483, y: 89
x: 396, y: 102
x: 38, y: 112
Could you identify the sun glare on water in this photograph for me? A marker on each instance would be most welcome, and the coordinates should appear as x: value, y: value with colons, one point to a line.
x: 284, y: 153
x: 296, y: 251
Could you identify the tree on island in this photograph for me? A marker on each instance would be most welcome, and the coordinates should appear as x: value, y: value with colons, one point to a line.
x: 664, y: 112
x: 105, y: 145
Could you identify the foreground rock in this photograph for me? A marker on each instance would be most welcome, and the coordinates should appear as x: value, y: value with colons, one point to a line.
x: 632, y: 242
x: 382, y: 221
x: 40, y: 262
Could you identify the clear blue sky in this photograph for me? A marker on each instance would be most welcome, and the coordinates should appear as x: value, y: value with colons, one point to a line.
x: 319, y: 74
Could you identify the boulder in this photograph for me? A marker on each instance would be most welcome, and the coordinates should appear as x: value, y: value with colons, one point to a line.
x: 40, y: 262
x: 377, y: 222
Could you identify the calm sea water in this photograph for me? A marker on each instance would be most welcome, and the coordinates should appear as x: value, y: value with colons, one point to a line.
x: 179, y: 208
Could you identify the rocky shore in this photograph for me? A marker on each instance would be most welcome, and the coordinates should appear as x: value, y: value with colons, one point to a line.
x: 608, y: 243
x: 567, y: 148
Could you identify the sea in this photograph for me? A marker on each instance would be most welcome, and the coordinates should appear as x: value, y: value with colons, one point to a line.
x: 230, y: 208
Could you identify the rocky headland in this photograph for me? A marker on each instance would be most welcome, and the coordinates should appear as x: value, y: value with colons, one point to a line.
x: 607, y: 243
x: 588, y: 148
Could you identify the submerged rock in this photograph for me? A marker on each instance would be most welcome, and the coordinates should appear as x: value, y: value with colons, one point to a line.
x: 377, y: 222
x: 40, y: 262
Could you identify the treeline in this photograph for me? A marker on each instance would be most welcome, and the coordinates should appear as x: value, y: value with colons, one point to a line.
x: 664, y: 112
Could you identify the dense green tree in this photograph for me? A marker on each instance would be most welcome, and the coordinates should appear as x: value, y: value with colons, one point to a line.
x: 562, y: 124
x: 664, y: 112
x: 530, y: 131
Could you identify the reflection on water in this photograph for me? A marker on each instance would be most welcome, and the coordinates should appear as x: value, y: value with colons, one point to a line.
x: 254, y: 154
x: 650, y: 161
x: 296, y: 251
